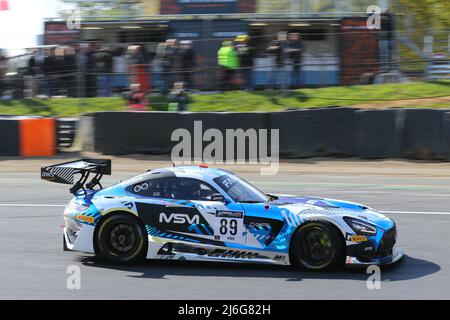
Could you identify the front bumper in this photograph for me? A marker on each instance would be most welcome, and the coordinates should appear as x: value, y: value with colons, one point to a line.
x: 81, y: 241
x: 397, y: 255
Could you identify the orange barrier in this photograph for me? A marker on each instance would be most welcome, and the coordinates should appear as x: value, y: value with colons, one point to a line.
x: 37, y: 137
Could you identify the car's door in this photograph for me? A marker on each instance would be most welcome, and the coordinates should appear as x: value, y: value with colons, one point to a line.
x: 263, y: 223
x: 189, y: 209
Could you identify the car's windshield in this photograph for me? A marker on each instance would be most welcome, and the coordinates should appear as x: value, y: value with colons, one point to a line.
x: 240, y: 190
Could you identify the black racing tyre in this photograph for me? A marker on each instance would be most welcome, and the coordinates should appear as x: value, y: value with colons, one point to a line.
x: 121, y: 239
x: 318, y: 246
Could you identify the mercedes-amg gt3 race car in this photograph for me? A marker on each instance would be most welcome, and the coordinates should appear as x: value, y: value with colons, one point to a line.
x: 200, y: 213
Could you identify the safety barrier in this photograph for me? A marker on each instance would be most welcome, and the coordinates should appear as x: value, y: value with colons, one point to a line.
x: 150, y: 132
x: 379, y: 133
x: 314, y: 132
x: 28, y: 136
x: 391, y: 133
x: 426, y: 134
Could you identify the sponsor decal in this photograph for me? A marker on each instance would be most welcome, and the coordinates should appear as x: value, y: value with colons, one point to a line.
x: 84, y: 218
x: 356, y: 238
x: 279, y: 258
x: 229, y: 214
x: 258, y: 224
x: 128, y: 204
x: 178, y: 218
x: 141, y: 187
x: 232, y: 254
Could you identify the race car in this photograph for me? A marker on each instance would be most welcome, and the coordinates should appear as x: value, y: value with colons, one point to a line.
x: 201, y: 213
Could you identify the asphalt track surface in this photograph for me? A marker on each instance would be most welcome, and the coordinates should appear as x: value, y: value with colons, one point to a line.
x: 33, y: 265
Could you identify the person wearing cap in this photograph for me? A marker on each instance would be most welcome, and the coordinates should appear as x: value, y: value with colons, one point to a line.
x: 228, y: 62
x: 245, y: 54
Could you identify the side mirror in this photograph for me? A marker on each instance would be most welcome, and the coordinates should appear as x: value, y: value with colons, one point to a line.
x: 218, y: 197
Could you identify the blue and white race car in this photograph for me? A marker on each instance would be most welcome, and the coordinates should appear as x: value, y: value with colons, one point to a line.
x: 200, y: 213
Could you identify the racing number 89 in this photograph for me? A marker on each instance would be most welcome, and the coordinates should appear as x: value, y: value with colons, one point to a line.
x: 228, y: 225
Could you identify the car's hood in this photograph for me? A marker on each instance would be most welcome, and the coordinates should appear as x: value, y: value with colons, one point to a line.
x: 333, y: 206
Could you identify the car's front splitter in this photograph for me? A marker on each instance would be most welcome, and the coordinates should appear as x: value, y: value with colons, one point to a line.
x: 397, y: 255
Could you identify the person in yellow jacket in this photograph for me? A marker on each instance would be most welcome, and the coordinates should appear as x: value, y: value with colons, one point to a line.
x: 228, y: 61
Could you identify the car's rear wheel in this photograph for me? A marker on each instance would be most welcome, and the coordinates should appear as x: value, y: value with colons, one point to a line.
x: 121, y: 239
x: 318, y: 246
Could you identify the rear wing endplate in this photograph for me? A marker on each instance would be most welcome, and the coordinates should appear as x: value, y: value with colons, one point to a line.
x: 64, y: 173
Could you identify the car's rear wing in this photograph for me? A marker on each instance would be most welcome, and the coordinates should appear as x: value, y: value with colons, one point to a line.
x: 65, y: 172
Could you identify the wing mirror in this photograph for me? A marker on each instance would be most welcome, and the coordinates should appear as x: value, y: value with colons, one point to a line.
x: 218, y: 197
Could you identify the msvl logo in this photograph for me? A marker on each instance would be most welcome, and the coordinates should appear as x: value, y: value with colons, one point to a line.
x: 178, y: 218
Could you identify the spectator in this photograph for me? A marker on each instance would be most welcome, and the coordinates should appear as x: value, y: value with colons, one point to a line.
x: 60, y: 66
x: 120, y: 68
x: 30, y: 77
x: 278, y: 49
x: 81, y: 62
x: 136, y: 55
x: 178, y: 98
x: 137, y: 99
x: 295, y: 54
x: 49, y: 68
x: 70, y: 68
x: 158, y: 67
x: 228, y: 62
x: 169, y: 62
x: 103, y: 69
x: 3, y: 69
x: 91, y: 78
x: 245, y: 53
x: 187, y: 57
x: 139, y: 68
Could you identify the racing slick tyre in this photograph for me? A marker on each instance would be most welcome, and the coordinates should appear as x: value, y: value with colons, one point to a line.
x: 317, y: 246
x: 121, y: 239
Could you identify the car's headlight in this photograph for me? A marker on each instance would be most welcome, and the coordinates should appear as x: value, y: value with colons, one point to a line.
x: 361, y: 227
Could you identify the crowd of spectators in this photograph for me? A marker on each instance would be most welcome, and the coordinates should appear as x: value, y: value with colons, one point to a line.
x: 236, y: 61
x: 98, y: 70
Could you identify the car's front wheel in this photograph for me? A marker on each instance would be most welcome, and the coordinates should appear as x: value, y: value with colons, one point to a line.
x: 317, y: 246
x: 121, y: 239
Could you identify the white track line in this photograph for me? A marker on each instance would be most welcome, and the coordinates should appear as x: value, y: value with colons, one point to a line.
x: 30, y: 205
x: 416, y: 212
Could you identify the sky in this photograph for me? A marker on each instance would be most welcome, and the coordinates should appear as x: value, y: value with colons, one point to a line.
x: 20, y: 25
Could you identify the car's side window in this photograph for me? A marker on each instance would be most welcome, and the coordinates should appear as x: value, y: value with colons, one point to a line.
x: 186, y: 189
x: 148, y: 188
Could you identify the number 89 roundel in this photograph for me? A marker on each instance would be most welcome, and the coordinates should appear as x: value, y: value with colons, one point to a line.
x: 200, y: 213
